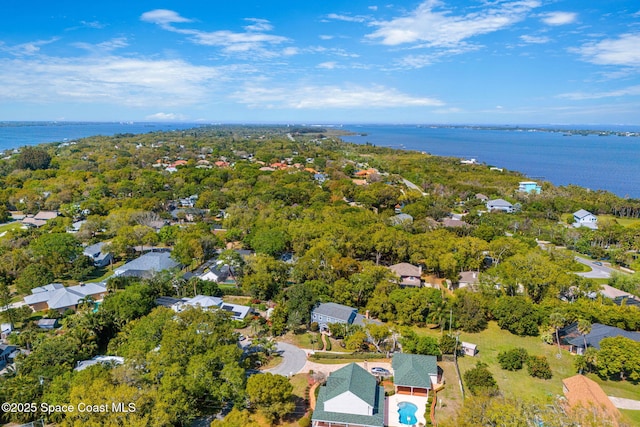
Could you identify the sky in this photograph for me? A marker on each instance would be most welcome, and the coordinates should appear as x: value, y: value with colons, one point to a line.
x: 320, y: 62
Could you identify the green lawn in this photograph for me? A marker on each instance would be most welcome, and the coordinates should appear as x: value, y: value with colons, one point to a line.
x: 494, y: 340
x: 9, y: 226
x: 633, y: 417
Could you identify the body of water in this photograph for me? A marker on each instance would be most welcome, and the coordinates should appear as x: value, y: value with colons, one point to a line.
x: 18, y: 134
x: 597, y: 162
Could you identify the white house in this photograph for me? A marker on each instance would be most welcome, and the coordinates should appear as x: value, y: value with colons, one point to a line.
x: 583, y: 218
x: 499, y: 205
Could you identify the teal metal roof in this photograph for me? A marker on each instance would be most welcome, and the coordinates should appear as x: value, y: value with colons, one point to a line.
x: 352, y: 378
x: 413, y: 370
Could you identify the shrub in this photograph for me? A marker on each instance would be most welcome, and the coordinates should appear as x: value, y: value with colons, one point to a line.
x: 314, y: 327
x: 479, y: 380
x: 514, y: 359
x: 328, y: 341
x: 538, y: 367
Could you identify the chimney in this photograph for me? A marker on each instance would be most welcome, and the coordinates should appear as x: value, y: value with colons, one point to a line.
x: 366, y: 314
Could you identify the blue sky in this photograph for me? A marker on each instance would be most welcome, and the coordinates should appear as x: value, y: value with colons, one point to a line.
x: 493, y: 61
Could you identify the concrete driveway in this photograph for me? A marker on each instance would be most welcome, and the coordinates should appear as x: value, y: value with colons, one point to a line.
x: 597, y: 271
x: 293, y: 360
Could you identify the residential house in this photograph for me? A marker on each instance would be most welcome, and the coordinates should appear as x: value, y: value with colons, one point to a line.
x: 330, y: 312
x: 351, y: 397
x: 104, y: 360
x: 582, y: 392
x: 100, y: 258
x: 499, y: 205
x: 204, y: 302
x: 617, y: 295
x: 482, y: 197
x: 147, y: 265
x: 454, y: 223
x: 583, y: 218
x: 39, y: 219
x: 216, y: 273
x: 529, y: 187
x: 467, y: 278
x: 414, y: 374
x: 5, y: 330
x: 5, y: 352
x: 408, y: 274
x: 57, y: 297
x: 571, y: 338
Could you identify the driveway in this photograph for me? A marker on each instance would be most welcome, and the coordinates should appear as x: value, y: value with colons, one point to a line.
x: 597, y: 271
x: 621, y: 403
x: 293, y: 360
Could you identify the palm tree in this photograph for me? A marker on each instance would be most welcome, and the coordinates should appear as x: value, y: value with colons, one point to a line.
x: 557, y: 321
x: 584, y: 327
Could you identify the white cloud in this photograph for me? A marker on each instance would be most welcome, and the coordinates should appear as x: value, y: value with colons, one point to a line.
x: 161, y: 117
x: 442, y: 29
x: 26, y: 49
x: 253, y: 43
x: 163, y: 17
x: 326, y: 97
x: 578, y: 96
x: 325, y: 37
x: 346, y: 18
x: 107, y: 46
x: 559, y: 18
x: 109, y: 80
x: 374, y: 8
x: 535, y: 39
x: 330, y: 65
x: 621, y: 51
x: 258, y: 25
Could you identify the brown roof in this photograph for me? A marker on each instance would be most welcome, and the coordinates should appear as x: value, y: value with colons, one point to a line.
x: 582, y: 391
x: 405, y: 269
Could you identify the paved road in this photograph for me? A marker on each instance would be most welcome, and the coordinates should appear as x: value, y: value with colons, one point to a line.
x: 293, y: 360
x: 597, y: 271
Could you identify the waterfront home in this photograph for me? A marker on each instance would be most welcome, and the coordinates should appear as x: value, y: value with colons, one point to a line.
x: 351, y: 397
x: 499, y: 205
x: 583, y: 218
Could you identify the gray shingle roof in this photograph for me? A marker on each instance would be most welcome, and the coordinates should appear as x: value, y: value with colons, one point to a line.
x: 151, y: 262
x: 581, y: 213
x: 405, y: 269
x: 413, y: 370
x: 600, y: 332
x: 337, y: 311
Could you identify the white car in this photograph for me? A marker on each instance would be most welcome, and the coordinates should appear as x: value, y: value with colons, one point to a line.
x: 380, y: 371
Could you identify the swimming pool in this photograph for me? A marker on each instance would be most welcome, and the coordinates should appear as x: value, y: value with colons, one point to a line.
x: 407, y: 412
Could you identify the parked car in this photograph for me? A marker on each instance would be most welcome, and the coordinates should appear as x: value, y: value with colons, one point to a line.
x: 380, y: 371
x: 597, y: 263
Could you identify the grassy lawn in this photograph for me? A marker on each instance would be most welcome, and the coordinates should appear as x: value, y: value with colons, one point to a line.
x: 304, y: 340
x: 9, y: 226
x: 275, y: 361
x: 494, y: 340
x: 625, y: 222
x: 633, y: 417
x: 450, y: 397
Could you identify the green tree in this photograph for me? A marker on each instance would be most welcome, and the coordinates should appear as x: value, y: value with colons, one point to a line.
x: 32, y: 276
x: 270, y: 394
x: 33, y: 158
x: 538, y: 367
x: 619, y: 356
x: 480, y: 381
x: 557, y: 321
x: 514, y: 359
